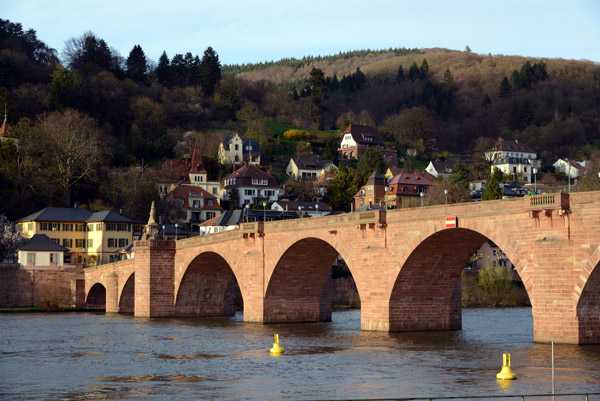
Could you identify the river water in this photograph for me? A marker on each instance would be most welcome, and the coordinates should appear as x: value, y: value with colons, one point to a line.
x: 86, y: 356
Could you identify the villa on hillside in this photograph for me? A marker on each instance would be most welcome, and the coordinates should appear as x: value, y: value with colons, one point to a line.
x: 514, y: 159
x: 237, y: 150
x: 252, y: 185
x: 302, y: 168
x: 358, y: 138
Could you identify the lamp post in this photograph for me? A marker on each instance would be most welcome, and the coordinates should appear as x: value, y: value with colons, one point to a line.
x: 385, y: 196
x: 163, y: 232
x: 446, y: 196
x: 300, y: 210
x: 422, y: 194
x: 317, y: 209
x: 535, y: 180
x: 246, y: 210
x: 176, y: 225
x: 569, y: 174
x: 264, y: 211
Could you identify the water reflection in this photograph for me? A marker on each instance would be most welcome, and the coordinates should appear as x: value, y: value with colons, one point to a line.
x: 121, y: 357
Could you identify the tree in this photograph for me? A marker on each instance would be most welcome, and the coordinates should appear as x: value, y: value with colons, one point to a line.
x: 61, y: 88
x: 400, y: 74
x: 90, y: 54
x: 341, y: 190
x: 505, y: 88
x: 163, y: 70
x: 467, y: 49
x: 459, y: 176
x: 424, y: 70
x: 209, y: 71
x: 10, y: 239
x: 370, y: 160
x: 492, y: 186
x: 436, y: 195
x: 414, y: 72
x: 70, y: 149
x: 136, y: 64
x: 318, y: 90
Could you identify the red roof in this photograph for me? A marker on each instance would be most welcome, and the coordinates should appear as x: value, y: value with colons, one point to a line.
x: 4, y: 128
x: 511, y: 146
x: 245, y: 174
x: 364, y: 134
x: 197, y: 166
x: 178, y: 170
x: 186, y: 192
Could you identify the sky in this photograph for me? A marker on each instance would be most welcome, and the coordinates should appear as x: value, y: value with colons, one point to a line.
x: 250, y: 31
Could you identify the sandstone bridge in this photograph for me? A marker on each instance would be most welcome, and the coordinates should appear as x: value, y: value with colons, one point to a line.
x: 406, y: 264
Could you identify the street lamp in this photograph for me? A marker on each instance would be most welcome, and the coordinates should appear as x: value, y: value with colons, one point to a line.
x: 317, y: 209
x: 300, y: 210
x: 569, y: 173
x: 176, y: 225
x: 535, y: 180
x: 163, y: 232
x: 385, y: 196
x: 264, y: 211
x: 422, y: 194
x: 246, y: 210
x: 446, y: 195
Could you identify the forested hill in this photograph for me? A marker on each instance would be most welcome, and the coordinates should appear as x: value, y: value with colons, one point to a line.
x: 134, y: 112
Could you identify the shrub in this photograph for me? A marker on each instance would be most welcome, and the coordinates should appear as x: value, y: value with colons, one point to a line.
x: 296, y: 135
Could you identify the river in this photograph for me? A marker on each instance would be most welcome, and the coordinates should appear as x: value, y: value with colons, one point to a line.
x: 87, y: 356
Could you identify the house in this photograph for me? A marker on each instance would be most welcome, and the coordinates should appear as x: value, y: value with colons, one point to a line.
x: 323, y: 182
x: 185, y: 171
x: 312, y: 209
x: 406, y: 190
x: 41, y: 253
x: 440, y: 169
x: 571, y: 168
x: 373, y: 193
x: 358, y: 138
x: 236, y: 150
x: 301, y: 168
x: 197, y: 205
x: 231, y: 219
x: 91, y: 238
x: 252, y: 185
x: 514, y: 159
x: 173, y: 232
x: 489, y: 254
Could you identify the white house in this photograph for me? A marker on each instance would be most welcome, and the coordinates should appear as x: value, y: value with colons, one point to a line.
x: 237, y: 150
x: 514, y: 159
x: 440, y: 169
x: 571, y: 168
x: 300, y: 168
x: 252, y: 185
x: 41, y: 253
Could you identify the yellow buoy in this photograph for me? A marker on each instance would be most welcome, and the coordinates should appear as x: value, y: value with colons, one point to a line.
x: 277, y: 349
x: 506, y: 373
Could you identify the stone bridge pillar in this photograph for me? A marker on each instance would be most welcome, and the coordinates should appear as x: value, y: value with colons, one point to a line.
x: 112, y: 293
x: 154, y: 278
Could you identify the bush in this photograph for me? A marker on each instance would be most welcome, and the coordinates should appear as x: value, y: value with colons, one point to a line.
x: 493, y: 286
x: 296, y: 135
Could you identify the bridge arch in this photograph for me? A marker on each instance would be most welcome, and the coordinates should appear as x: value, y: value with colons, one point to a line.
x: 127, y: 297
x: 298, y: 289
x: 588, y: 306
x: 426, y: 294
x: 207, y: 287
x: 96, y: 296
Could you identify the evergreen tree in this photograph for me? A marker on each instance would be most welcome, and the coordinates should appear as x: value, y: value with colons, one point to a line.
x: 341, y: 190
x: 318, y: 91
x: 492, y: 186
x: 448, y: 78
x: 424, y: 70
x: 163, y: 69
x: 400, y: 75
x: 136, y: 64
x: 414, y: 72
x: 459, y: 176
x: 370, y: 160
x: 467, y: 49
x: 487, y: 101
x: 334, y: 83
x: 505, y: 88
x: 209, y: 71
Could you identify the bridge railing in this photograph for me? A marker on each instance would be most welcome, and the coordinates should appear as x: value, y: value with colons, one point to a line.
x: 558, y: 200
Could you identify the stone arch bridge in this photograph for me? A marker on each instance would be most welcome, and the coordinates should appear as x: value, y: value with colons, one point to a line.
x: 406, y: 264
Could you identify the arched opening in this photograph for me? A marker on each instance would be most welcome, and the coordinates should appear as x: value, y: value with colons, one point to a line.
x: 127, y: 301
x: 302, y: 289
x: 588, y: 309
x: 208, y: 288
x: 96, y: 297
x: 428, y: 292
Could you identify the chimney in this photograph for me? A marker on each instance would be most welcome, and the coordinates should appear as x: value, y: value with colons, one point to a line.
x: 121, y: 209
x: 76, y: 205
x: 287, y: 207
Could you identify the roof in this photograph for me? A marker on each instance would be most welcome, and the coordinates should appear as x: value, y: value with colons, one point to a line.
x: 308, y: 206
x: 249, y: 172
x: 443, y: 166
x: 405, y: 178
x: 255, y: 147
x: 362, y: 133
x: 4, y: 128
x: 186, y: 192
x: 511, y: 146
x: 197, y: 167
x: 62, y: 214
x: 41, y: 242
x: 311, y: 164
x: 376, y: 179
x: 108, y: 216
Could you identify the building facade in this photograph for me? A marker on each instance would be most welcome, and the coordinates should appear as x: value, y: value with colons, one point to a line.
x: 252, y: 185
x: 237, y: 150
x: 357, y: 139
x: 514, y: 159
x: 301, y: 168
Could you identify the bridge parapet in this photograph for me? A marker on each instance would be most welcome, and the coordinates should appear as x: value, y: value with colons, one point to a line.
x: 558, y: 201
x: 162, y: 244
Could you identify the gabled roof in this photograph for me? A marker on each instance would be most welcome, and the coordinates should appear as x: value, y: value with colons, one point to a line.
x: 249, y: 171
x: 443, y: 166
x: 246, y: 141
x: 41, y: 242
x: 58, y: 214
x: 362, y: 133
x: 109, y: 217
x: 376, y: 179
x: 186, y: 192
x: 405, y: 178
x: 174, y: 170
x: 511, y: 146
x: 4, y: 128
x: 310, y: 164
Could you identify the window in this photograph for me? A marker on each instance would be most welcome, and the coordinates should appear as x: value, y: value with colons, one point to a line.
x: 54, y: 226
x: 260, y: 181
x: 99, y: 227
x: 78, y: 227
x: 121, y: 227
x: 209, y: 202
x: 53, y: 258
x: 29, y: 226
x: 404, y: 189
x: 111, y: 242
x: 196, y: 204
x: 90, y: 243
x: 44, y: 226
x: 31, y: 258
x: 249, y: 192
x: 123, y: 242
x: 90, y: 227
x: 237, y: 148
x: 67, y: 242
x: 67, y: 227
x: 111, y: 227
x: 214, y: 190
x: 79, y: 243
x: 210, y: 215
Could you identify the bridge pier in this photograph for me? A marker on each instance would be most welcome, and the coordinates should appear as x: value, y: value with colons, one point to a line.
x: 112, y: 293
x: 154, y: 275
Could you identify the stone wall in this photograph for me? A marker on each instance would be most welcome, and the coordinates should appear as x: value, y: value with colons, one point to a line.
x: 20, y: 287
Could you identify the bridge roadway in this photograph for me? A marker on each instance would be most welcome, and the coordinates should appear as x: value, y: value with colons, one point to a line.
x: 406, y: 264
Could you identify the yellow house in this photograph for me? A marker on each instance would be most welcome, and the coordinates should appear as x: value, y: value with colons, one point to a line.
x: 92, y: 238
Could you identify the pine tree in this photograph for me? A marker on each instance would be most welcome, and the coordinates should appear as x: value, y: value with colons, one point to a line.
x: 487, y: 101
x: 209, y: 71
x: 424, y: 71
x: 136, y: 64
x: 492, y: 186
x: 413, y: 72
x: 505, y: 88
x: 400, y: 75
x: 163, y: 69
x: 448, y: 78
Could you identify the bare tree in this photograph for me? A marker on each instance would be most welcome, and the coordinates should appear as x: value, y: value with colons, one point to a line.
x: 10, y: 239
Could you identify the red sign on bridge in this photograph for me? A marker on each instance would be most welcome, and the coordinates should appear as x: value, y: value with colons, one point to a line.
x: 451, y: 222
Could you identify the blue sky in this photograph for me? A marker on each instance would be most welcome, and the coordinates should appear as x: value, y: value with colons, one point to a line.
x: 244, y: 31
